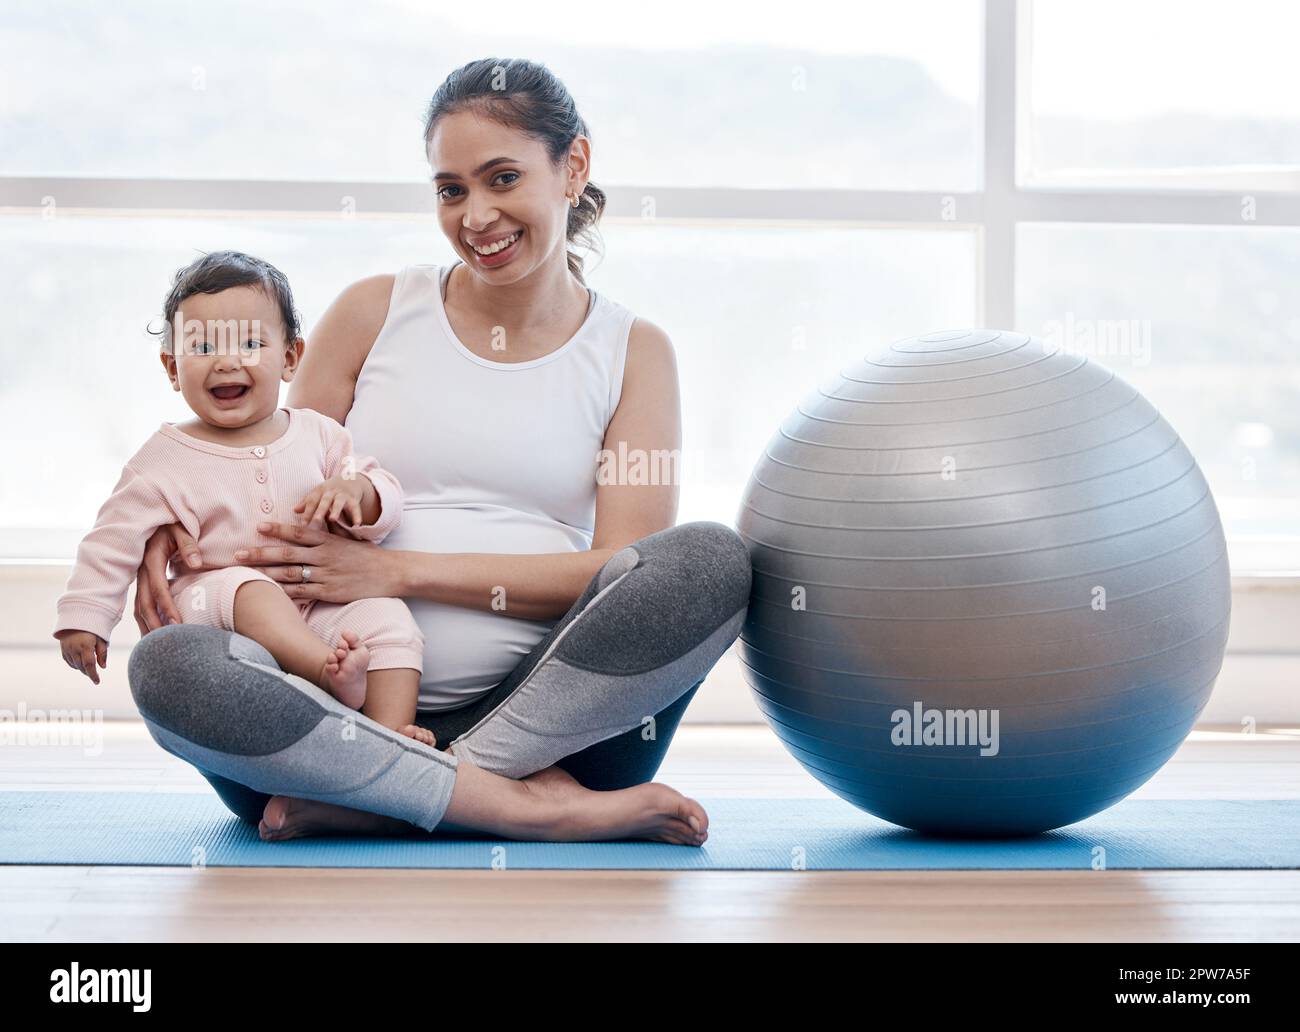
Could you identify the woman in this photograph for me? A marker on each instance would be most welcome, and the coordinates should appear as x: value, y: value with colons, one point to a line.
x: 567, y: 622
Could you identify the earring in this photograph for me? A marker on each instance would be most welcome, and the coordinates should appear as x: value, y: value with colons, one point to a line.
x: 573, y: 199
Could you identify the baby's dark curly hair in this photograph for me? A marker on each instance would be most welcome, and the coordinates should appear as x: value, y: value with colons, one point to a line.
x: 219, y: 270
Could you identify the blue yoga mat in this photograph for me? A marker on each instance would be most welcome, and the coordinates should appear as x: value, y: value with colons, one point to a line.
x: 184, y: 829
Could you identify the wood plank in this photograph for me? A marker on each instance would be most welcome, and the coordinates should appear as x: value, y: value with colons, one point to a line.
x: 248, y: 904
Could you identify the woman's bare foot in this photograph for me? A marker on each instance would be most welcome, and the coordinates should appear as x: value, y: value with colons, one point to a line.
x: 344, y: 673
x: 650, y: 811
x: 550, y: 806
x: 286, y: 818
x: 420, y: 734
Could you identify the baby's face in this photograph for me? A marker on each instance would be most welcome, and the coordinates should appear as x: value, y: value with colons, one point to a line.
x: 230, y: 356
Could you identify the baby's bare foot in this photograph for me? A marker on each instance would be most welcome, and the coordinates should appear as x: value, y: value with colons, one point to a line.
x: 420, y: 734
x: 344, y: 673
x: 650, y: 811
x: 287, y: 818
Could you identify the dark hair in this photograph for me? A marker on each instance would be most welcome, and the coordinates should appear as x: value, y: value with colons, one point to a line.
x: 221, y: 270
x: 526, y: 96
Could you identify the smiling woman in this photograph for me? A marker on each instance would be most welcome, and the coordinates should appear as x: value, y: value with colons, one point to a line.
x: 520, y: 108
x: 566, y: 623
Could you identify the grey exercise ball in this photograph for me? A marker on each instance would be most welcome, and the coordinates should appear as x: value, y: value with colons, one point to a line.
x: 991, y: 586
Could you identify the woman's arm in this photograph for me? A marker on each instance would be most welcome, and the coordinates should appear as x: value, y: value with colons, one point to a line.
x: 153, y: 599
x: 532, y: 587
x: 327, y: 376
x: 543, y: 587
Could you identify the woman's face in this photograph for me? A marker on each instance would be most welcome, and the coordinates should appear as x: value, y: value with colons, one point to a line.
x: 519, y: 197
x: 230, y: 356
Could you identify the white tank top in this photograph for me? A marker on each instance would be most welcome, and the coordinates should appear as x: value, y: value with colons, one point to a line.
x: 492, y: 457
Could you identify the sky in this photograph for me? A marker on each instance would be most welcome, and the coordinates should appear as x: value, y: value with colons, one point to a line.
x: 943, y: 32
x: 1099, y: 58
x: 1131, y: 59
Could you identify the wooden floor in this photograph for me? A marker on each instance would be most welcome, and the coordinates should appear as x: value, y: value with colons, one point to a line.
x: 225, y: 904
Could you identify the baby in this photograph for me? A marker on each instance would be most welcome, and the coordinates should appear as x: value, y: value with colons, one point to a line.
x: 241, y: 461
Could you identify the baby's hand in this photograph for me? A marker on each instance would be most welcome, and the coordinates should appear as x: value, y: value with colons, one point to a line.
x: 81, y: 649
x: 333, y: 498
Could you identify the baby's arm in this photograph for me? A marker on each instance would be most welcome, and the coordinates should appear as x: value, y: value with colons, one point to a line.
x: 107, y: 560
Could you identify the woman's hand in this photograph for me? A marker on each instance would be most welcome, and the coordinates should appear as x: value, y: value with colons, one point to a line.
x: 153, y: 598
x: 340, y: 569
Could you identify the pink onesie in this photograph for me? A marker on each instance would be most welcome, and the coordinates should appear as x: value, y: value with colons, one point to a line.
x: 220, y: 494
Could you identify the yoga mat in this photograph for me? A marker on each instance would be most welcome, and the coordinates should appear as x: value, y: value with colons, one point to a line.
x: 747, y: 834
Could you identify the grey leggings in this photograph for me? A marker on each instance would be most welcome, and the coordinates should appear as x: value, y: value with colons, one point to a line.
x: 599, y: 696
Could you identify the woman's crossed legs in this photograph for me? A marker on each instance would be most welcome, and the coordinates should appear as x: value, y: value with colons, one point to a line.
x: 585, y: 719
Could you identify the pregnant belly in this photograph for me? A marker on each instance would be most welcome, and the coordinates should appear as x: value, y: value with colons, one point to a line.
x: 467, y: 652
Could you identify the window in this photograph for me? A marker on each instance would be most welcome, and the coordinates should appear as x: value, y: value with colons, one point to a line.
x: 1187, y: 96
x: 83, y: 386
x: 688, y: 95
x: 743, y: 366
x: 1204, y: 321
x: 180, y: 133
x: 823, y: 182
